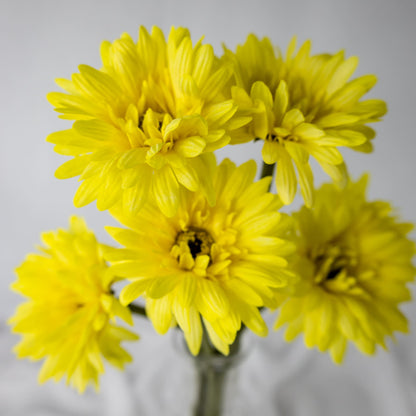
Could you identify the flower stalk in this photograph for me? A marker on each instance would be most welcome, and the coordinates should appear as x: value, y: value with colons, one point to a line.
x: 212, y: 372
x: 138, y: 310
x: 267, y: 170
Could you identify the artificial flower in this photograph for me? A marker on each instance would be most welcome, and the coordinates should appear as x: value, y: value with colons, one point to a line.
x: 67, y: 317
x: 355, y: 261
x: 143, y: 120
x: 302, y: 105
x: 221, y: 262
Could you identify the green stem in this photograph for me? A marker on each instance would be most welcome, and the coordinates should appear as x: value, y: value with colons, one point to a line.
x: 267, y: 170
x: 138, y: 310
x: 212, y: 371
x: 211, y: 367
x: 211, y: 390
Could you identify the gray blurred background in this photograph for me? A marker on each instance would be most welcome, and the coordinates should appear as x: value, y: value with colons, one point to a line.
x: 42, y: 40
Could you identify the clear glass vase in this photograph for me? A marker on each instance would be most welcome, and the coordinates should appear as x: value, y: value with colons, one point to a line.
x: 214, y: 380
x: 255, y: 378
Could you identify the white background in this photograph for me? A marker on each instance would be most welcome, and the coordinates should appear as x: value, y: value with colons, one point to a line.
x: 42, y: 40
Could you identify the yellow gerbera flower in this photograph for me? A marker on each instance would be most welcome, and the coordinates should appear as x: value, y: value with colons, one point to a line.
x: 143, y: 120
x: 302, y: 105
x: 355, y: 260
x: 67, y: 317
x: 220, y: 263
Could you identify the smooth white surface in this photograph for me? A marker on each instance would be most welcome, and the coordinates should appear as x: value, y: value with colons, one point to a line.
x: 43, y: 40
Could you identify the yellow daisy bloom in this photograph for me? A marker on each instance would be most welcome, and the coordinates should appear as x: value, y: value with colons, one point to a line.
x: 355, y: 260
x: 143, y: 120
x: 221, y: 263
x: 66, y: 319
x: 302, y: 105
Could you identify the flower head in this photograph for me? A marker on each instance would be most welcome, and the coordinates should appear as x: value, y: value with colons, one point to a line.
x: 302, y: 105
x: 218, y: 262
x: 144, y: 120
x: 66, y: 319
x: 355, y: 260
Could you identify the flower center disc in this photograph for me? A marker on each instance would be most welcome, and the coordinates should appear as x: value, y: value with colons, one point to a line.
x: 333, y: 263
x: 198, y: 240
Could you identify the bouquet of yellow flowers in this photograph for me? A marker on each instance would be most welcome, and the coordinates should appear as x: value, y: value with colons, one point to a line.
x: 204, y: 246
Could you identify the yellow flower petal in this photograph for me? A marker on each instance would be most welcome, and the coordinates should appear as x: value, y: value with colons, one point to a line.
x: 165, y: 191
x: 305, y: 177
x: 132, y: 158
x: 161, y: 286
x: 281, y: 101
x: 292, y: 119
x: 270, y: 152
x: 342, y: 74
x: 285, y: 179
x: 132, y: 291
x: 160, y: 313
x: 297, y: 152
x: 73, y: 167
x: 325, y: 154
x: 190, y: 146
x: 259, y: 91
x: 194, y: 336
x: 87, y: 192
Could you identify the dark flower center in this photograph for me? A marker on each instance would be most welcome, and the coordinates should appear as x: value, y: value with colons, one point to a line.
x: 276, y: 138
x: 333, y: 261
x: 198, y: 240
x: 333, y: 273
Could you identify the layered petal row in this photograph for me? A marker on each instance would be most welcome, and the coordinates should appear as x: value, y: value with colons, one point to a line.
x: 144, y: 119
x: 208, y: 267
x: 302, y: 106
x: 68, y: 318
x: 354, y: 263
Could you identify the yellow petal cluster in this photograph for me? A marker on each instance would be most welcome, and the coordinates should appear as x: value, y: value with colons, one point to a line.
x: 67, y: 317
x: 355, y: 261
x: 143, y: 120
x: 220, y: 263
x: 302, y: 106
